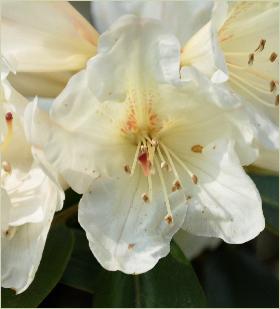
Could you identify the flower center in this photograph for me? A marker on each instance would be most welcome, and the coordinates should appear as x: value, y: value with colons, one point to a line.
x: 154, y: 157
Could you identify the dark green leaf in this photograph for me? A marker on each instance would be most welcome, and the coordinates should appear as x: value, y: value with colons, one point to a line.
x: 171, y: 283
x: 82, y: 269
x: 235, y: 278
x: 56, y: 254
x: 268, y: 187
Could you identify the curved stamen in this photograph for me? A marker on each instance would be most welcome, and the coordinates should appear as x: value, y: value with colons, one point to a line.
x: 169, y: 217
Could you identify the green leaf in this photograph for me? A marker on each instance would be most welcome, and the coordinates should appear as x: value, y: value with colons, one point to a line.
x: 82, y: 269
x: 171, y: 283
x: 268, y: 187
x: 56, y: 255
x: 237, y: 279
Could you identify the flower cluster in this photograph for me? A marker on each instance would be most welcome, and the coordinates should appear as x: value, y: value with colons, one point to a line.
x: 152, y: 121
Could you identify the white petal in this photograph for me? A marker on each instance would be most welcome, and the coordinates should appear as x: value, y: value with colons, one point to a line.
x: 45, y: 84
x: 268, y: 160
x: 227, y: 204
x: 89, y: 110
x: 258, y: 21
x: 182, y: 18
x: 192, y: 245
x: 47, y: 42
x: 124, y: 232
x: 46, y: 36
x: 22, y: 245
x: 203, y: 52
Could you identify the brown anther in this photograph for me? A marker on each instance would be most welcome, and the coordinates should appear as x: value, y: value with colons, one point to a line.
x: 272, y: 86
x: 194, y: 179
x: 127, y: 169
x: 176, y: 186
x: 131, y: 246
x: 168, y: 219
x: 9, y: 116
x: 273, y: 57
x: 145, y: 197
x: 261, y: 45
x: 188, y: 197
x: 251, y: 59
x: 7, y: 167
x: 277, y: 100
x: 197, y: 148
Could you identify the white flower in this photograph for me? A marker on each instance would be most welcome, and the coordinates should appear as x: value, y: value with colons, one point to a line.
x: 47, y: 41
x: 221, y: 50
x: 193, y: 246
x: 241, y: 47
x: 149, y: 156
x: 28, y: 197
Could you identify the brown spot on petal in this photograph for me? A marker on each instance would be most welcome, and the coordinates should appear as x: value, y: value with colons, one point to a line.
x: 261, y: 45
x: 197, y: 148
x: 251, y: 59
x: 194, y: 179
x: 131, y: 246
x: 168, y: 219
x: 273, y: 57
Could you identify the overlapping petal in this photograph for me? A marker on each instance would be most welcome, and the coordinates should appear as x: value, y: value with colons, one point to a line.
x: 227, y: 205
x: 49, y: 40
x: 148, y: 143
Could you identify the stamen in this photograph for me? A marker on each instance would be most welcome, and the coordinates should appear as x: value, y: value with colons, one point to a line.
x: 135, y: 158
x: 273, y: 57
x: 261, y: 45
x: 197, y: 148
x: 251, y: 59
x: 127, y: 169
x: 176, y: 186
x: 169, y: 217
x: 7, y: 138
x: 173, y: 168
x: 163, y: 163
x: 145, y: 197
x: 131, y: 246
x: 150, y: 185
x: 7, y: 167
x: 193, y: 177
x: 272, y: 86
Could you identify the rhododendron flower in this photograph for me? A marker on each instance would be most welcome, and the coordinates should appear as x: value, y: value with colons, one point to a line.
x: 47, y: 42
x: 241, y: 46
x: 29, y: 198
x: 150, y: 155
x: 238, y: 47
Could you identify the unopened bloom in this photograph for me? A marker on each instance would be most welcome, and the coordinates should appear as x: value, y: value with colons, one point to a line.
x: 29, y: 198
x: 47, y: 42
x: 150, y: 156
